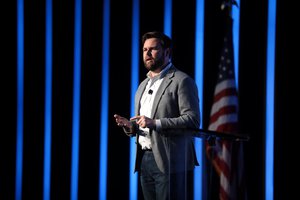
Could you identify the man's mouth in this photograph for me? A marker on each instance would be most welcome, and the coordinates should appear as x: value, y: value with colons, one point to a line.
x: 149, y: 59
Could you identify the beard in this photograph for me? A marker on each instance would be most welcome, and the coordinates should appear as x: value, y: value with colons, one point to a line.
x: 154, y: 64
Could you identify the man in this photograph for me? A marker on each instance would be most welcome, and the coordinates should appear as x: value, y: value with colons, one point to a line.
x: 167, y: 109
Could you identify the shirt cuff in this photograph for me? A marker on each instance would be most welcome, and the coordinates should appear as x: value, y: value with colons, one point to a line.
x: 157, y: 125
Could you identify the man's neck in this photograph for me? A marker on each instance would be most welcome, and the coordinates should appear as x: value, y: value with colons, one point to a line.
x: 152, y: 74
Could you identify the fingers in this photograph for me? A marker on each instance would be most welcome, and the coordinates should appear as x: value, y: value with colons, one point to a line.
x: 117, y: 117
x: 139, y: 120
x: 121, y: 121
x: 136, y: 117
x: 142, y: 121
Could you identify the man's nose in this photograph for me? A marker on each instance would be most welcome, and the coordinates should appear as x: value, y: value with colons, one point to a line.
x: 149, y: 52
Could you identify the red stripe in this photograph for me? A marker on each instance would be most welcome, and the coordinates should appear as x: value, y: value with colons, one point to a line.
x: 228, y: 127
x: 223, y: 111
x: 225, y: 92
x: 223, y: 166
x: 227, y: 145
x: 223, y: 194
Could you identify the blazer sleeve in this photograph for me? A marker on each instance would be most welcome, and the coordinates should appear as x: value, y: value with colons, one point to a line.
x: 188, y: 113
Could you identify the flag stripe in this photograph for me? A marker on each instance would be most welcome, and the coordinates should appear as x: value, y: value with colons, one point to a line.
x: 222, y: 166
x: 225, y: 92
x: 228, y: 128
x: 222, y: 111
x: 221, y: 120
x: 225, y: 84
x: 224, y: 101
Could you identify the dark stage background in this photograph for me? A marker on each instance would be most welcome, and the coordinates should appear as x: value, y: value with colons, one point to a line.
x: 252, y: 90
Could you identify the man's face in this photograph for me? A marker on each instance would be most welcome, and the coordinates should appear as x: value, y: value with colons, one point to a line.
x: 153, y: 54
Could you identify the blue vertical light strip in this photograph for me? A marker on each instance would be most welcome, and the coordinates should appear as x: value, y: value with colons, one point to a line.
x: 199, y: 69
x: 20, y: 99
x: 76, y: 101
x: 270, y: 81
x: 104, y: 101
x: 48, y: 101
x: 135, y: 52
x: 236, y: 39
x: 168, y: 18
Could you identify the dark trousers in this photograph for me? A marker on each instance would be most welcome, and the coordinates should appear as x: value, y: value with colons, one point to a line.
x: 160, y: 186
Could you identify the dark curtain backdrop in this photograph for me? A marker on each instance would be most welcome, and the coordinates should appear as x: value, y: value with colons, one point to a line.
x: 252, y: 90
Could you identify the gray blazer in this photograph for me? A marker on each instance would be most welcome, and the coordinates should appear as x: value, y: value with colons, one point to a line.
x: 176, y: 104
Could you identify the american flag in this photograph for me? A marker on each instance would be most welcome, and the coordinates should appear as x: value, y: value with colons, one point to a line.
x: 225, y: 155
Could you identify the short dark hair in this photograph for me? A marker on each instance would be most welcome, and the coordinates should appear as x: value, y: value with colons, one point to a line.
x: 165, y: 41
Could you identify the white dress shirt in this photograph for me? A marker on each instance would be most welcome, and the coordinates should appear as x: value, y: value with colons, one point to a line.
x: 147, y: 102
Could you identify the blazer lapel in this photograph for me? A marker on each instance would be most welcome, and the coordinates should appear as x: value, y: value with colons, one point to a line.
x: 138, y: 96
x: 166, y: 82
